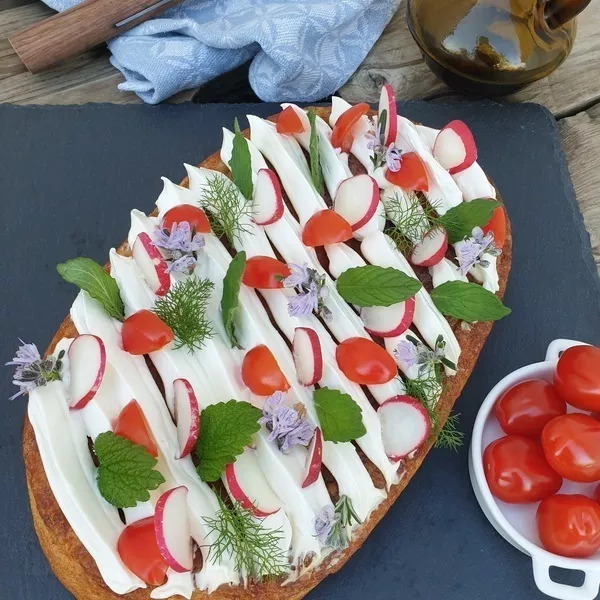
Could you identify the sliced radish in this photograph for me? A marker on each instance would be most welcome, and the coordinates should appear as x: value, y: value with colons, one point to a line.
x: 387, y: 102
x: 455, y: 147
x: 389, y: 321
x: 405, y: 425
x: 314, y: 459
x: 151, y: 263
x: 268, y: 199
x: 308, y: 357
x: 248, y: 486
x: 172, y: 528
x: 356, y: 199
x: 187, y: 416
x: 87, y: 360
x: 431, y: 249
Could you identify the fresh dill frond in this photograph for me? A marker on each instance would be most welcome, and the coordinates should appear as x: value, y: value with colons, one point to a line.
x: 242, y: 537
x: 427, y: 389
x: 449, y: 435
x: 228, y: 211
x: 183, y: 309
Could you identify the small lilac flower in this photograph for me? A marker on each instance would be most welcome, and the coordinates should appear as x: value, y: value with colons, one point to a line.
x: 406, y: 352
x: 373, y: 142
x: 299, y: 276
x: 285, y: 424
x: 303, y: 304
x: 311, y: 292
x: 470, y: 252
x: 178, y: 244
x: 393, y: 158
x: 325, y: 521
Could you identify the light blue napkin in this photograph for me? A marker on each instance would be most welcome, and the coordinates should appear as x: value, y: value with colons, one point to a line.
x: 301, y: 50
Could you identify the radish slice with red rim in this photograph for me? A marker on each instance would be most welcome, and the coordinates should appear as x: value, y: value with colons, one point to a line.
x: 308, y: 358
x: 314, y: 459
x: 187, y: 416
x: 356, y: 199
x: 87, y: 360
x: 387, y: 103
x: 455, y: 147
x: 151, y: 263
x: 268, y: 199
x: 388, y: 321
x: 431, y: 249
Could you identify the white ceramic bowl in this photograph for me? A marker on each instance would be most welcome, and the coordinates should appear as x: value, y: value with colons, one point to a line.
x: 516, y: 522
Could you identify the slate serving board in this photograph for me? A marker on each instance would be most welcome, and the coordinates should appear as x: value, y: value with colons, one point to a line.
x: 68, y: 179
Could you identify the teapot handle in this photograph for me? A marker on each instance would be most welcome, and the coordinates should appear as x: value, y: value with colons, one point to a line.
x: 559, y: 12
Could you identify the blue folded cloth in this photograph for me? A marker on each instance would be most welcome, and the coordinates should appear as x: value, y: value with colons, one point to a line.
x: 301, y: 50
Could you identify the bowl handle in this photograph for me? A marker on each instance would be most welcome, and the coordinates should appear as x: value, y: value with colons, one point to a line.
x: 541, y: 575
x: 556, y: 347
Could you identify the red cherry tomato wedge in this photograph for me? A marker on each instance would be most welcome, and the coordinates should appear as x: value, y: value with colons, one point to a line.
x: 572, y: 446
x: 497, y: 225
x: 577, y: 377
x: 265, y: 273
x: 525, y: 408
x: 365, y: 362
x: 139, y: 551
x: 569, y: 525
x: 261, y: 373
x: 326, y: 227
x: 516, y: 470
x: 186, y: 213
x: 342, y: 136
x: 131, y: 425
x: 143, y: 332
x: 412, y: 174
x: 288, y: 121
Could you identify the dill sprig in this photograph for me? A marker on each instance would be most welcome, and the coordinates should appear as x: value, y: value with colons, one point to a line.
x: 228, y: 210
x: 344, y: 516
x: 183, y: 309
x: 241, y: 536
x: 450, y: 436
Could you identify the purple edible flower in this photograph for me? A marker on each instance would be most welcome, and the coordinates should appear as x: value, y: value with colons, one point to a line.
x: 407, y: 353
x: 311, y: 292
x: 325, y: 521
x: 179, y: 245
x: 393, y: 158
x: 298, y: 276
x: 285, y: 424
x: 303, y: 304
x: 470, y: 252
x: 373, y: 142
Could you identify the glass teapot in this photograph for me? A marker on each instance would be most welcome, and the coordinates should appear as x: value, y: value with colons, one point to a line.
x: 493, y: 47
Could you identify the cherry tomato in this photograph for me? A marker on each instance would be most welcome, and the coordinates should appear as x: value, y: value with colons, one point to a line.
x: 264, y: 273
x: 517, y: 471
x: 365, y: 362
x: 131, y: 425
x: 326, y: 227
x: 412, y: 174
x: 342, y: 136
x: 289, y: 122
x: 139, y: 551
x: 569, y: 525
x: 186, y: 213
x: 572, y: 446
x: 525, y: 408
x: 577, y: 377
x: 144, y: 332
x: 597, y: 494
x: 261, y: 373
x: 497, y: 225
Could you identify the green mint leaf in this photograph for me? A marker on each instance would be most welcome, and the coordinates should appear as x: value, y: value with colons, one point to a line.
x: 460, y: 220
x: 230, y: 297
x: 315, y: 159
x: 226, y: 429
x: 376, y: 286
x: 468, y: 301
x: 240, y: 163
x: 89, y: 276
x: 339, y: 416
x: 126, y: 471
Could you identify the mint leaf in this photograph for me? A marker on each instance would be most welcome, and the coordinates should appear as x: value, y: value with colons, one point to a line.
x: 376, y: 286
x: 460, y: 220
x: 126, y: 471
x: 230, y: 297
x: 339, y: 416
x: 89, y: 276
x: 468, y: 301
x: 315, y: 159
x: 226, y: 429
x: 241, y: 163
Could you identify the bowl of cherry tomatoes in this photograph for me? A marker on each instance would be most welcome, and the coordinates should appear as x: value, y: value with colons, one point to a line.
x: 534, y: 464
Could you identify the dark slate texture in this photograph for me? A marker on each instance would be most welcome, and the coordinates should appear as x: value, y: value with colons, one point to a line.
x: 68, y: 179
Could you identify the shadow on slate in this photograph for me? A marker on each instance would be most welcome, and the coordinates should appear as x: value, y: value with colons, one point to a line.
x: 69, y: 177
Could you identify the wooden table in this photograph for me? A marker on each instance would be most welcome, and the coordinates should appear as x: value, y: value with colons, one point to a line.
x: 572, y: 93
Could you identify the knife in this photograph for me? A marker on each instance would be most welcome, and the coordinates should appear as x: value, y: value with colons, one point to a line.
x: 80, y: 28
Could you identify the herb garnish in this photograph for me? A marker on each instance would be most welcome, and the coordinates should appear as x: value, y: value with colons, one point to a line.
x: 331, y: 524
x: 449, y: 435
x: 230, y: 297
x: 89, y: 276
x: 413, y: 352
x: 239, y: 535
x: 241, y: 162
x: 316, y: 171
x: 226, y: 428
x: 460, y: 220
x: 228, y: 211
x: 339, y: 416
x: 183, y: 309
x: 126, y: 471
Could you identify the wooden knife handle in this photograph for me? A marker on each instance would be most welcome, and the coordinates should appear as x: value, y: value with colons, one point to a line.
x: 79, y: 28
